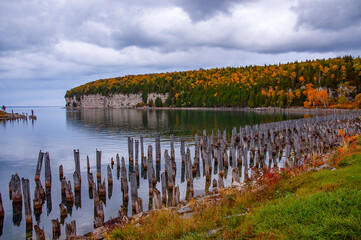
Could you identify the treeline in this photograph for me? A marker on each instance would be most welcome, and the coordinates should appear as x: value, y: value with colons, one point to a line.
x: 331, y: 82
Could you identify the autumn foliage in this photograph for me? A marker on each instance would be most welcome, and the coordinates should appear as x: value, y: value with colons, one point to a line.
x: 317, y: 83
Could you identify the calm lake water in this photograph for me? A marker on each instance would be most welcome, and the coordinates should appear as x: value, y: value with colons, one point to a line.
x: 59, y: 132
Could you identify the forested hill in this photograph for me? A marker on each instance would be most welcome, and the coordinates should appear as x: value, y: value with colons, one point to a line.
x: 331, y: 82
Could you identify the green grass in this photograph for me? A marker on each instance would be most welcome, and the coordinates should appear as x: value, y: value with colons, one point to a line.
x: 315, y: 205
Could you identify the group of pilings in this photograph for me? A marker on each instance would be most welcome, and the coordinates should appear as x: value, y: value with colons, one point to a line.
x: 286, y: 144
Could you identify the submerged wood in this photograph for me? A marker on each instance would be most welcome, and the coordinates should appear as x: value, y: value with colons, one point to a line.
x: 90, y: 180
x: 38, y: 165
x: 70, y: 229
x: 27, y: 205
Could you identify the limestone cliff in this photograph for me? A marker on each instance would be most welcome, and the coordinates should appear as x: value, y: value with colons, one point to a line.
x: 113, y: 101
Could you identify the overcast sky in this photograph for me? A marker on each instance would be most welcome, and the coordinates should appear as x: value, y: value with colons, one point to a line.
x: 50, y: 46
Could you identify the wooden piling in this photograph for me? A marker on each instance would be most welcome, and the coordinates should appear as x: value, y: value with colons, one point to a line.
x: 2, y: 212
x: 133, y: 190
x: 39, y: 233
x: 172, y: 154
x: 164, y: 186
x: 56, y: 228
x: 124, y: 182
x: 15, y: 189
x: 70, y: 229
x: 102, y: 189
x: 38, y: 165
x: 110, y: 177
x: 77, y: 184
x: 69, y: 196
x: 99, y: 215
x: 99, y: 164
x: 176, y: 196
x: 157, y: 199
x: 235, y: 175
x: 151, y: 172
x: 77, y: 163
x: 27, y: 201
x: 157, y: 150
x: 87, y: 163
x: 63, y: 210
x: 61, y: 172
x: 47, y: 171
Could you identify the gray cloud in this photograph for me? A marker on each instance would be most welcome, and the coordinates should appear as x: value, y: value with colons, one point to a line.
x: 203, y: 9
x: 328, y: 14
x: 57, y: 45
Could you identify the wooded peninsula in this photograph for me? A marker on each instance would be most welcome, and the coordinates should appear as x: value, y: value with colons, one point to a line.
x: 332, y: 83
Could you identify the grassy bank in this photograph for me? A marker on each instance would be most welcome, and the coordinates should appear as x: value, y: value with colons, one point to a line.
x: 303, y: 204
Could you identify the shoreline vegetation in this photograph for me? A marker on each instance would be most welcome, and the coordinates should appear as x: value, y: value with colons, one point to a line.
x: 331, y: 83
x: 316, y: 199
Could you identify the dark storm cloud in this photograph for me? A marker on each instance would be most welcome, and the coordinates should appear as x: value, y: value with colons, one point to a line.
x: 328, y: 14
x: 203, y: 9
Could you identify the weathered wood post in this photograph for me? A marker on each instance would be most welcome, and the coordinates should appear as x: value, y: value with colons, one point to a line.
x: 87, y: 163
x: 102, y: 190
x: 235, y: 175
x: 61, y: 172
x: 124, y: 182
x: 157, y: 199
x: 77, y: 163
x: 172, y: 154
x: 69, y: 196
x: 176, y: 196
x: 77, y: 184
x: 38, y: 165
x: 15, y: 189
x: 118, y: 161
x: 99, y: 215
x: 99, y: 164
x: 182, y: 150
x: 70, y: 229
x: 27, y: 205
x: 136, y: 152
x: 133, y: 190
x: 151, y: 173
x: 63, y: 211
x: 164, y: 186
x: 158, y: 152
x: 130, y: 150
x: 110, y: 177
x: 39, y: 233
x: 56, y: 228
x: 39, y: 195
x: 2, y: 212
x: 47, y: 171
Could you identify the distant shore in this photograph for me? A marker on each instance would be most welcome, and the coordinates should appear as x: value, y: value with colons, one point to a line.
x: 244, y: 109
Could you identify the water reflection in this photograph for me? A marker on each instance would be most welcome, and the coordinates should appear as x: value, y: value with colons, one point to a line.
x: 165, y: 122
x: 60, y: 131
